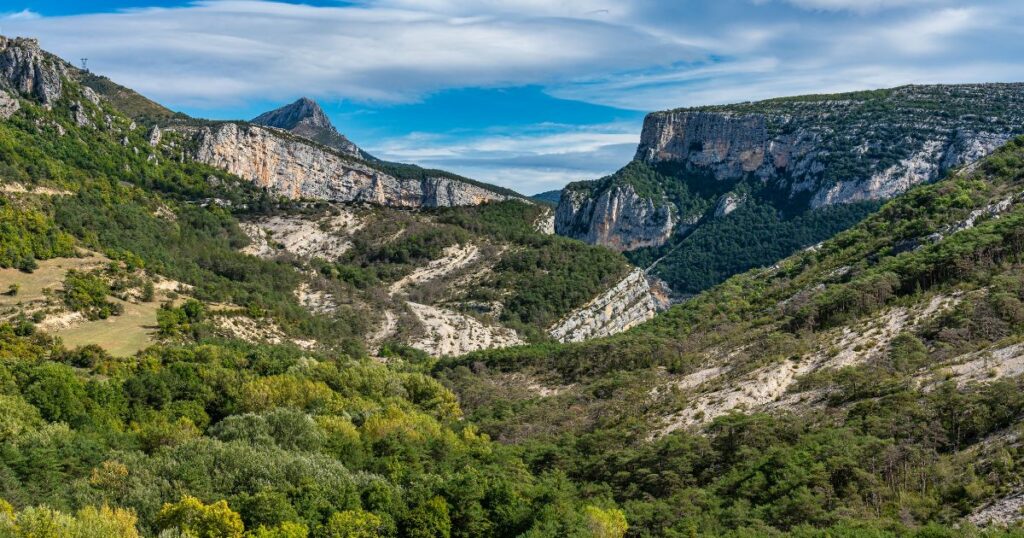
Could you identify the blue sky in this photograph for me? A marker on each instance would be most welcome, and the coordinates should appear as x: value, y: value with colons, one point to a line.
x: 529, y: 94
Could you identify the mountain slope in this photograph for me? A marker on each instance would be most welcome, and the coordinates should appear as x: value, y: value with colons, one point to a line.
x: 305, y: 118
x: 322, y: 275
x: 871, y: 382
x: 248, y: 407
x: 801, y: 167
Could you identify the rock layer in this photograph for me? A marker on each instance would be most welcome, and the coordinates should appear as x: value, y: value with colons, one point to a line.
x: 297, y: 169
x: 626, y: 305
x: 843, y: 148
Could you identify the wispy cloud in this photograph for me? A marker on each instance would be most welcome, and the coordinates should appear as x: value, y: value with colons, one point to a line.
x: 529, y: 159
x: 388, y: 51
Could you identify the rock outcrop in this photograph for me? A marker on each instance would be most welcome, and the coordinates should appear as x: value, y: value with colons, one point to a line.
x: 618, y: 218
x: 813, y: 151
x: 305, y: 118
x: 294, y: 168
x: 25, y: 69
x: 8, y: 105
x: 627, y: 304
x: 842, y: 148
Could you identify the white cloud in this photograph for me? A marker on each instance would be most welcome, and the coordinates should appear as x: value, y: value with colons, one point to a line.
x: 385, y: 51
x: 861, y: 6
x: 528, y: 159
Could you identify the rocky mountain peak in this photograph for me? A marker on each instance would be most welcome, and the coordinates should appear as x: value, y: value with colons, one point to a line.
x: 25, y: 69
x: 305, y: 111
x: 307, y: 119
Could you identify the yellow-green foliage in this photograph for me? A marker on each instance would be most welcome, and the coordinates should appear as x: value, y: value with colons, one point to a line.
x: 605, y: 523
x: 27, y: 235
x: 191, y: 516
x: 44, y: 522
x: 288, y: 529
x: 354, y: 524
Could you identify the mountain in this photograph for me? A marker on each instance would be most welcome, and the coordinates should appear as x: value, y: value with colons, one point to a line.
x: 305, y: 118
x: 867, y: 386
x: 184, y: 352
x: 299, y: 168
x: 712, y: 190
x: 462, y: 277
x: 164, y: 321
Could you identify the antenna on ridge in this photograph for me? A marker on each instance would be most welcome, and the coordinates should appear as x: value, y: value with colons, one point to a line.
x: 85, y: 65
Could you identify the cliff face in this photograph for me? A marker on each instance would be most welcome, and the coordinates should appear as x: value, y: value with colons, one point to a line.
x: 843, y: 148
x: 618, y: 218
x: 297, y: 169
x: 25, y: 69
x: 823, y: 149
x: 627, y: 304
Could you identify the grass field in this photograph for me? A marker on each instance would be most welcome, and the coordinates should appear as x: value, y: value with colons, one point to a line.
x: 120, y: 335
x: 50, y: 274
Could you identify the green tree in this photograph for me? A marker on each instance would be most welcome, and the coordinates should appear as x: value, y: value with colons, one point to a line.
x: 190, y: 515
x: 353, y: 524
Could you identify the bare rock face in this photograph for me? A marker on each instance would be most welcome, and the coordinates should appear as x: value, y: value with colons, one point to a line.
x: 626, y: 305
x: 8, y: 105
x: 305, y: 118
x: 297, y: 169
x: 842, y: 148
x: 729, y: 203
x: 618, y: 218
x: 25, y: 69
x: 814, y: 150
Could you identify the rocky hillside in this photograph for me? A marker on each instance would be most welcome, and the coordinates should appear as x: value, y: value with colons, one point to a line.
x: 875, y: 377
x: 457, y: 275
x: 294, y: 151
x: 796, y: 155
x: 298, y: 168
x: 305, y: 118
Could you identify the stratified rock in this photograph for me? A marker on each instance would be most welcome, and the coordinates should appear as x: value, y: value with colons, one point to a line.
x: 297, y: 169
x: 842, y: 148
x: 626, y: 305
x: 815, y: 150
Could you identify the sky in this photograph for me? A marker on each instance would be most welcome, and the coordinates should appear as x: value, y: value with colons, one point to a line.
x: 527, y: 94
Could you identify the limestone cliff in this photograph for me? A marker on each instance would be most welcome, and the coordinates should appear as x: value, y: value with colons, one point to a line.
x: 842, y: 148
x: 295, y: 168
x: 627, y: 304
x: 814, y: 150
x: 618, y: 218
x: 25, y: 69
